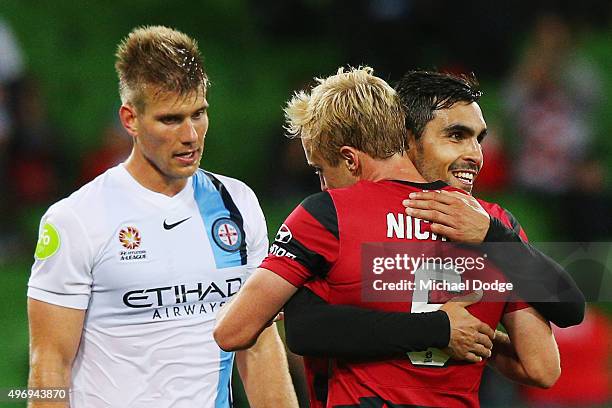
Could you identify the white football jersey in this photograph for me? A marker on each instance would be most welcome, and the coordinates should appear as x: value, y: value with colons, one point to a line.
x: 152, y: 272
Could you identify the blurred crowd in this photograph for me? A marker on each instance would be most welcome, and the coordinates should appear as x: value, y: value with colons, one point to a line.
x: 28, y: 160
x: 544, y: 139
x: 544, y: 142
x: 35, y: 170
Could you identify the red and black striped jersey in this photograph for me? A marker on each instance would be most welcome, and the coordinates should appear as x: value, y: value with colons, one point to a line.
x: 319, y: 246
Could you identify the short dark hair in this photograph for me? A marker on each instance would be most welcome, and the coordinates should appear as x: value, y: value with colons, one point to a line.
x: 424, y: 92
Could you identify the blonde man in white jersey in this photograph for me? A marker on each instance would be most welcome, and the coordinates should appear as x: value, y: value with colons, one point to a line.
x: 131, y: 269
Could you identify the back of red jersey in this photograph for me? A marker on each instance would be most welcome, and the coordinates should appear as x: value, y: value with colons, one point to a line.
x: 320, y: 245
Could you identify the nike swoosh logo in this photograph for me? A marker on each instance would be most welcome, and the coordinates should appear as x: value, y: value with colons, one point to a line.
x: 170, y: 226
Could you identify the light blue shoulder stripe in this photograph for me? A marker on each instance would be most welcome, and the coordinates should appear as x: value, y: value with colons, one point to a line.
x: 212, y: 208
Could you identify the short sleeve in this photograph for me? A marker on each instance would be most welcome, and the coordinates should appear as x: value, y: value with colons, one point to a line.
x: 515, y: 304
x: 306, y: 245
x: 61, y: 274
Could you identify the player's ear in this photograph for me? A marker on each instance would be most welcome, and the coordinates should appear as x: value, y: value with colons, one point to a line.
x: 350, y: 157
x: 128, y: 117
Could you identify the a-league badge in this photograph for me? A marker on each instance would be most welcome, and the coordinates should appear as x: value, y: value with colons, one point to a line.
x: 129, y: 238
x: 226, y: 234
x: 131, y: 245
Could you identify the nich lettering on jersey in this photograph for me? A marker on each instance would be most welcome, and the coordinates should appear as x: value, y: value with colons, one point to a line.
x: 403, y: 226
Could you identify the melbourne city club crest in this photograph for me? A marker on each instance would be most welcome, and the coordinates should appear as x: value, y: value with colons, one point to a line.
x: 130, y: 240
x: 226, y: 234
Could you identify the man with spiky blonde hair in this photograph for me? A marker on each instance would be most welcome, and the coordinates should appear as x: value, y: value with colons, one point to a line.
x: 369, y: 106
x: 341, y: 122
x: 346, y: 109
x: 132, y: 268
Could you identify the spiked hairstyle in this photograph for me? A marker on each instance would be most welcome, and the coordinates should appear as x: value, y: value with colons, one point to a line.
x: 159, y: 59
x: 352, y: 108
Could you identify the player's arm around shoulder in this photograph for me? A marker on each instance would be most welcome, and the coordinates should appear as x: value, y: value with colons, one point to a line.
x: 528, y: 353
x: 55, y: 332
